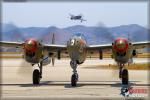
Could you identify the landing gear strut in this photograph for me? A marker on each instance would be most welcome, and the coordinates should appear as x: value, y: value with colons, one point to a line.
x: 123, y: 73
x: 74, y: 77
x: 120, y: 70
x: 37, y: 74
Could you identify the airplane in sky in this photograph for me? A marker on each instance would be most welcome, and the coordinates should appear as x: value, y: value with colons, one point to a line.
x: 77, y: 48
x: 77, y: 17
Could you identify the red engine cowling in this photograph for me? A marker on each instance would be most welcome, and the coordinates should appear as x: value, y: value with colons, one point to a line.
x: 31, y: 45
x: 32, y: 51
x: 121, y: 45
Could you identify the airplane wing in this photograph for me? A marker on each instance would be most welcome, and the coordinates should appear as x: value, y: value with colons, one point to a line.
x: 11, y: 44
x: 54, y: 47
x: 136, y: 45
x: 49, y: 47
x: 97, y: 47
x: 140, y: 45
x: 91, y: 48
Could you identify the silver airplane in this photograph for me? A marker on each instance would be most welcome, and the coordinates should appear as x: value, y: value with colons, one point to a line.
x: 37, y: 53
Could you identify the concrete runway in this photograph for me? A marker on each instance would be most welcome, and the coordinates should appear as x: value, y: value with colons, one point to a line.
x: 55, y: 84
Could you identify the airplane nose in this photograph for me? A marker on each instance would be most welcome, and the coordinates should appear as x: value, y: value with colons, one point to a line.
x: 31, y: 45
x: 121, y: 45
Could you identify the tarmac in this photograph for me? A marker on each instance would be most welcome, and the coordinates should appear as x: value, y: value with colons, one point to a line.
x: 16, y: 81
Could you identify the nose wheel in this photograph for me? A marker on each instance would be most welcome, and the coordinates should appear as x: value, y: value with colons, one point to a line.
x: 74, y: 80
x: 74, y: 77
x: 37, y: 75
x: 123, y: 74
x: 125, y: 77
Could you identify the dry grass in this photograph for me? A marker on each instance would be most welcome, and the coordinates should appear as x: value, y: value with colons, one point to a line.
x: 139, y: 66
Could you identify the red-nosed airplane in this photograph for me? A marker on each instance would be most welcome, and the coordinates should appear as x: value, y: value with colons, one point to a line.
x: 37, y: 53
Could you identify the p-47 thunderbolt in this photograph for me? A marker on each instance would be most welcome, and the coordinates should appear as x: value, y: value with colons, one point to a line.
x: 37, y: 53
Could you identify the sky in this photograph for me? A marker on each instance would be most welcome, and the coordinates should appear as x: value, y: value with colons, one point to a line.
x: 45, y: 14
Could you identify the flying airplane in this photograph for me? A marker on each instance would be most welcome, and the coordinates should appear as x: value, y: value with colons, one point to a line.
x: 78, y: 17
x: 40, y: 54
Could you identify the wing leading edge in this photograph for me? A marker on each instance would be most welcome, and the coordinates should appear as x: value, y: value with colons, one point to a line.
x: 140, y: 45
x: 54, y: 47
x: 11, y: 44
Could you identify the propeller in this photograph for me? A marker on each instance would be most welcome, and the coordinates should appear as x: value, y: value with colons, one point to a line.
x: 104, y: 33
x: 53, y: 61
x: 107, y: 35
x: 24, y: 69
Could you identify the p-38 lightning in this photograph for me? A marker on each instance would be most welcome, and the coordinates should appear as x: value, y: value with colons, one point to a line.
x: 37, y: 53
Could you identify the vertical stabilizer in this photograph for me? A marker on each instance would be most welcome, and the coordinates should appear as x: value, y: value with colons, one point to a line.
x: 53, y: 56
x: 53, y: 38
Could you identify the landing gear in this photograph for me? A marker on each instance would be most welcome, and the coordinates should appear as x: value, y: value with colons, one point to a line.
x: 74, y: 80
x: 37, y: 74
x: 125, y: 78
x: 123, y: 73
x: 120, y: 70
x: 74, y: 77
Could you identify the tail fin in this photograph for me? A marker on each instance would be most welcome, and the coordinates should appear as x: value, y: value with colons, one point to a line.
x: 53, y: 56
x: 53, y: 38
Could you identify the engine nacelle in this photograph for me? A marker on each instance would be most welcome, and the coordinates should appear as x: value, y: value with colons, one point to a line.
x: 100, y: 54
x: 134, y: 53
x: 32, y: 51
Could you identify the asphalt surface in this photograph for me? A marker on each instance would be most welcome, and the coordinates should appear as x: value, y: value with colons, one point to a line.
x: 16, y: 81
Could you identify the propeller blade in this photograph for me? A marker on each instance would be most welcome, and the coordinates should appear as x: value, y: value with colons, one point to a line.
x: 25, y: 69
x: 53, y: 61
x: 105, y: 30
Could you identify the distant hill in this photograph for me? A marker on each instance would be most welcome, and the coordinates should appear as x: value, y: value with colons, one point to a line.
x: 93, y: 34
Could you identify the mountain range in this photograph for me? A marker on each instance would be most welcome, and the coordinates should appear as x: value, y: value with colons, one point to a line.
x: 93, y: 34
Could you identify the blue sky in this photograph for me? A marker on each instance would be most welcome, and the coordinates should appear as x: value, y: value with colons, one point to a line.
x: 44, y: 14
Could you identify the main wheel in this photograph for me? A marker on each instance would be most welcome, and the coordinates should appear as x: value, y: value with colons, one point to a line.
x: 125, y: 77
x: 74, y: 80
x: 36, y: 76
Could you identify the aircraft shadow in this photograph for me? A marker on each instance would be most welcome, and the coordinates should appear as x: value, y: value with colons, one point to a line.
x: 80, y: 84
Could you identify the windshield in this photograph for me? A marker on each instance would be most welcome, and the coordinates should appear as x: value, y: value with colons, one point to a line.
x: 79, y: 35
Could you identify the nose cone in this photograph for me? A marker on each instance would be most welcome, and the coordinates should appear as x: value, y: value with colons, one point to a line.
x: 121, y: 45
x: 31, y: 45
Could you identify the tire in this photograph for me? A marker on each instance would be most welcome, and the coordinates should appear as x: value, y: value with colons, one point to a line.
x: 74, y: 80
x: 125, y: 77
x: 36, y: 77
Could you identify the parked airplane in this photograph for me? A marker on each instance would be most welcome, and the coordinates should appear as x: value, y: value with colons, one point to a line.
x: 77, y: 17
x: 37, y: 53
